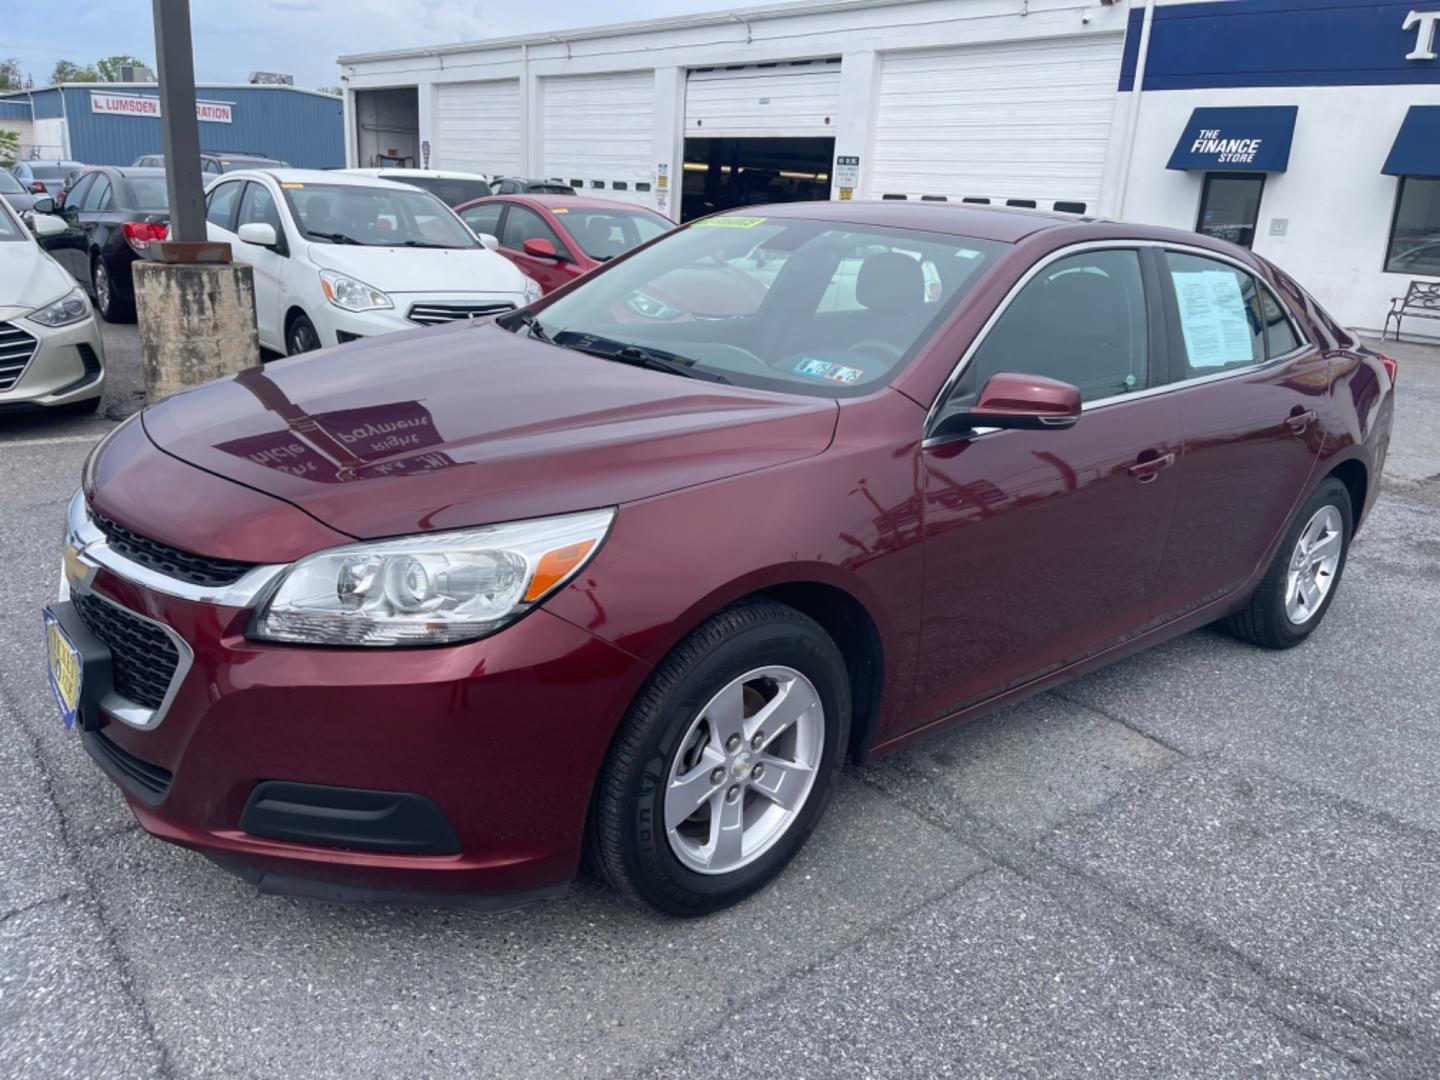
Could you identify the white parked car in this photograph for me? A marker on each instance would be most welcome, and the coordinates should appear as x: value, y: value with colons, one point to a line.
x: 337, y: 257
x: 452, y: 188
x: 50, y: 349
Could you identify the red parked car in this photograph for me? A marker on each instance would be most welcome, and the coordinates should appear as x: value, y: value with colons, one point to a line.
x: 443, y: 610
x: 556, y: 238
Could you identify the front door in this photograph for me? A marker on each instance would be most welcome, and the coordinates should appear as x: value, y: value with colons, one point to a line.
x: 1251, y: 392
x: 521, y: 224
x: 258, y: 206
x: 1042, y: 547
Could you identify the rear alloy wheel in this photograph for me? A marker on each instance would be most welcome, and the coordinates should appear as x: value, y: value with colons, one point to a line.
x: 113, y: 307
x: 302, y: 336
x: 1298, y: 587
x: 725, y: 762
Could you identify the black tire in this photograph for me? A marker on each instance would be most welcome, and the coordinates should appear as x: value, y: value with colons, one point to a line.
x: 623, y: 843
x: 301, y: 335
x: 114, y: 303
x: 1263, y: 621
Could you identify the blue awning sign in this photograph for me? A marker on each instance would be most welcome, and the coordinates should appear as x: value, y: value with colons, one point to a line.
x: 1417, y: 145
x: 1252, y: 138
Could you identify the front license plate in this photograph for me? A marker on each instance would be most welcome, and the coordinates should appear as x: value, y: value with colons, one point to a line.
x: 65, y: 669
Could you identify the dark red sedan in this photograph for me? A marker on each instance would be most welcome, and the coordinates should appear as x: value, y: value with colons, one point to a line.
x: 444, y: 610
x: 556, y: 238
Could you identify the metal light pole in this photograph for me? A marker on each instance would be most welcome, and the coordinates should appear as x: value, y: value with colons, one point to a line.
x: 196, y: 308
x: 175, y: 64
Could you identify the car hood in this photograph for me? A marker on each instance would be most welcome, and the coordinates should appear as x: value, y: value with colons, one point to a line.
x: 422, y: 270
x: 29, y: 277
x: 469, y: 424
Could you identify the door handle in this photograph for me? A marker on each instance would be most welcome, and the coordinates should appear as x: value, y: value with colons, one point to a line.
x: 1297, y: 422
x: 1146, y: 471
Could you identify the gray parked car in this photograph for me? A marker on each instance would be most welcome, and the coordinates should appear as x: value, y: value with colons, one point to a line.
x: 13, y: 192
x: 44, y: 177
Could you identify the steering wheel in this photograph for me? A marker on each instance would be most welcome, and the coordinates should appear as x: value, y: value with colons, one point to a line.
x: 885, y: 349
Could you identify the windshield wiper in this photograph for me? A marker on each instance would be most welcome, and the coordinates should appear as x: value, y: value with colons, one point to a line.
x: 424, y: 244
x: 333, y: 237
x: 619, y: 351
x: 532, y: 324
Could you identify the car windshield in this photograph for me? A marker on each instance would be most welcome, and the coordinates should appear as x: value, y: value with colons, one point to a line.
x: 828, y: 309
x: 148, y: 193
x: 389, y: 216
x: 450, y: 192
x: 603, y: 234
x: 9, y: 185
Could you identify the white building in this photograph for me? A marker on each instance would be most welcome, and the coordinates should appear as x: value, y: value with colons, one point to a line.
x: 1084, y: 106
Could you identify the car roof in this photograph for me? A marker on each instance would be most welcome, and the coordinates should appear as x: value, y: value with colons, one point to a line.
x: 310, y: 176
x: 572, y: 202
x: 424, y: 174
x: 135, y: 170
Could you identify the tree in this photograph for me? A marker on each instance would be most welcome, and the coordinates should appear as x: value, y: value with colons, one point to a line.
x: 334, y: 91
x: 67, y: 71
x: 108, y: 67
x: 10, y: 75
x: 9, y: 148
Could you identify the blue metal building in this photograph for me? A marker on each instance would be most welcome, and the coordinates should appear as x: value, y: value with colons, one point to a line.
x: 114, y: 123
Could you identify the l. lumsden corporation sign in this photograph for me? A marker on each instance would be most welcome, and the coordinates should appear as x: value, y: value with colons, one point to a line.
x: 217, y: 112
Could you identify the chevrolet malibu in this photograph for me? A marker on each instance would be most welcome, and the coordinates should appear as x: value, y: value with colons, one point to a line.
x: 447, y: 612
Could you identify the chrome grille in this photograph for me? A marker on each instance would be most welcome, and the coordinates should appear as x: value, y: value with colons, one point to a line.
x: 16, y: 349
x: 434, y: 314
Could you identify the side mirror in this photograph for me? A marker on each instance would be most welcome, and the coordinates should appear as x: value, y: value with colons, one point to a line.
x: 489, y: 241
x: 44, y: 206
x: 1012, y: 400
x: 46, y: 225
x: 541, y: 248
x: 260, y: 233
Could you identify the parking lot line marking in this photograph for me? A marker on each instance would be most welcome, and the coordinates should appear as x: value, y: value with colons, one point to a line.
x: 51, y: 441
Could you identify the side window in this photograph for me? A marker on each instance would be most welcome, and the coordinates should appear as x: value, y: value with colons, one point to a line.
x: 1081, y: 320
x: 220, y: 205
x: 522, y: 224
x: 98, y: 197
x: 484, y: 218
x: 1280, y: 335
x: 257, y: 206
x: 76, y: 198
x: 1219, y: 312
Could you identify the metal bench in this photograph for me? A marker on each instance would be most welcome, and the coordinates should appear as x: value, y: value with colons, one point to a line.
x: 1421, y: 301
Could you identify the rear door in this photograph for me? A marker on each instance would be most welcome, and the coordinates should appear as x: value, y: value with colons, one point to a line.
x: 1042, y: 547
x: 1251, y: 391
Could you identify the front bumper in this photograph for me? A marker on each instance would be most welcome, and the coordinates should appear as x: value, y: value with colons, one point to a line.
x: 67, y: 364
x: 503, y: 736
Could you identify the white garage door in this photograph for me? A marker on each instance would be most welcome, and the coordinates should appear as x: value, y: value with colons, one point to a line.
x: 763, y: 100
x: 600, y: 133
x: 1025, y: 121
x: 477, y: 127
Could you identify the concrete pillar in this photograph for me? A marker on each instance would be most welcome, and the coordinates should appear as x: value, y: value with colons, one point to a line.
x: 669, y: 145
x: 855, y: 126
x: 197, y: 322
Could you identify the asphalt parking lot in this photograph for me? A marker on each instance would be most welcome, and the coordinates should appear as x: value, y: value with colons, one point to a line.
x: 1204, y: 861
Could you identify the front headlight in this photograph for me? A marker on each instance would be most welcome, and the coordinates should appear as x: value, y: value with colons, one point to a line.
x: 431, y: 589
x: 70, y: 308
x: 532, y: 290
x: 346, y: 292
x: 646, y: 305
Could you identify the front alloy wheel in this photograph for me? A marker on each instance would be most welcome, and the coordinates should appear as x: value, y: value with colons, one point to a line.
x: 725, y: 761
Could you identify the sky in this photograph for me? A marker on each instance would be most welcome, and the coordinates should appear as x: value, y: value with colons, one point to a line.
x: 298, y: 37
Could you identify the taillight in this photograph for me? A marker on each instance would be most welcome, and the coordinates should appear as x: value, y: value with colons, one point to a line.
x: 1390, y: 367
x: 138, y: 234
x: 37, y: 188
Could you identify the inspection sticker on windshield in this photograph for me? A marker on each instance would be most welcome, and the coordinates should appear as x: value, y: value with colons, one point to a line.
x: 292, y: 185
x: 730, y: 222
x: 560, y: 210
x: 845, y: 375
x: 811, y: 366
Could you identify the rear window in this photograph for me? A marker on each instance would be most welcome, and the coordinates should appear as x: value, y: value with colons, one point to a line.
x: 148, y: 193
x: 550, y: 189
x: 234, y: 163
x: 451, y: 192
x: 46, y: 172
